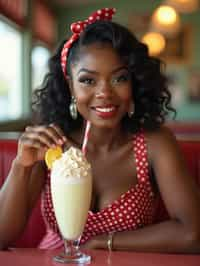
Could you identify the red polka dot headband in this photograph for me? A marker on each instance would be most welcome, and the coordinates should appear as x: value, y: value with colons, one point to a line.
x: 78, y: 27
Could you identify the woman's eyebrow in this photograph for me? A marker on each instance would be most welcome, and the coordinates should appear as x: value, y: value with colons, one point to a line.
x: 95, y: 72
x: 87, y: 70
x: 119, y: 69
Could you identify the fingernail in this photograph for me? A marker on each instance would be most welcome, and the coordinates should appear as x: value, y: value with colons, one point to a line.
x: 60, y: 141
x: 64, y: 138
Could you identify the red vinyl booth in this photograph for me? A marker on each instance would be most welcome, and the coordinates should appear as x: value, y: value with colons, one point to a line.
x: 185, y: 129
x: 35, y: 229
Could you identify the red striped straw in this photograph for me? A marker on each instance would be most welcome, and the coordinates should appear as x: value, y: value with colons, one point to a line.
x: 86, y: 136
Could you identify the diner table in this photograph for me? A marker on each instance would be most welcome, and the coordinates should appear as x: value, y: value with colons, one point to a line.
x: 36, y: 257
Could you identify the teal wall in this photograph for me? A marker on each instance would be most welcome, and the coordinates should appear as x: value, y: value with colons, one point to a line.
x: 186, y: 110
x: 124, y: 9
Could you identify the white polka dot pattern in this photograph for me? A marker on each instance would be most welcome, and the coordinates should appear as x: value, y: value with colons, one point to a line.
x: 132, y: 210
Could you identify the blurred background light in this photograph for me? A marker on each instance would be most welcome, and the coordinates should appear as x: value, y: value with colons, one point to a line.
x: 166, y: 20
x: 155, y: 41
x: 184, y: 6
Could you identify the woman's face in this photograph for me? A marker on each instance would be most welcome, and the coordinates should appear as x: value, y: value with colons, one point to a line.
x: 101, y: 85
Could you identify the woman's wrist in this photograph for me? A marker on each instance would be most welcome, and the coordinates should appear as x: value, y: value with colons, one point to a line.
x: 100, y: 242
x: 19, y: 172
x: 20, y: 165
x: 105, y: 241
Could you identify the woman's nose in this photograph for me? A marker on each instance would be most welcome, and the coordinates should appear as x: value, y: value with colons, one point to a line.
x: 105, y: 91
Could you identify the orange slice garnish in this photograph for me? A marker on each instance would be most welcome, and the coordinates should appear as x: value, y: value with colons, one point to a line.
x: 51, y: 155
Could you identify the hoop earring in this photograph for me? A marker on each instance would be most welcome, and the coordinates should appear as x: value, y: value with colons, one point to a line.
x: 131, y: 110
x: 73, y: 109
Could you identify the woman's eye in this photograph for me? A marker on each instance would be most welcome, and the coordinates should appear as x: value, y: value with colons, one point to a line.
x: 121, y: 78
x: 87, y: 81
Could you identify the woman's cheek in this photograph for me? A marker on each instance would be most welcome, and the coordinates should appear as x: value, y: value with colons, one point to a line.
x: 82, y: 102
x: 82, y: 98
x: 81, y: 94
x: 126, y: 95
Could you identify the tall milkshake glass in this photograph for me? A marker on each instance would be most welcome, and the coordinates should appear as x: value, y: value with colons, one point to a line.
x: 71, y: 188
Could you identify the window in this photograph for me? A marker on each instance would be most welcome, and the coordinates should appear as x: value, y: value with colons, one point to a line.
x: 10, y: 72
x: 40, y: 57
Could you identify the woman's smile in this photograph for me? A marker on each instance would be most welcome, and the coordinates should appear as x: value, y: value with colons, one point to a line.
x: 105, y: 112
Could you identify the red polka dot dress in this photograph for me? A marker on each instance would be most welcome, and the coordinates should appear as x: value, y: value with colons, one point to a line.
x: 134, y: 209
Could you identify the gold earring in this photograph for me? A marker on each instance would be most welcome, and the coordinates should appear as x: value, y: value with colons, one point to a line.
x: 73, y: 108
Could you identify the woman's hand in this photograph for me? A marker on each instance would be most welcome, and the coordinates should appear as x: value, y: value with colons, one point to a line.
x: 35, y: 141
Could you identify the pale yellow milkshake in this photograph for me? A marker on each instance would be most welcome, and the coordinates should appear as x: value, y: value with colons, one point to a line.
x: 71, y: 188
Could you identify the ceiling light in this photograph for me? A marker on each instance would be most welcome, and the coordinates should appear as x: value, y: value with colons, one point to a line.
x: 155, y: 41
x: 165, y: 20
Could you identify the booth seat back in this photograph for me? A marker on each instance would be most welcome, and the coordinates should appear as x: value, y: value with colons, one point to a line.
x: 185, y: 128
x: 35, y: 229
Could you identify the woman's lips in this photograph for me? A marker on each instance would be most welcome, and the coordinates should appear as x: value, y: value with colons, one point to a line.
x: 105, y: 111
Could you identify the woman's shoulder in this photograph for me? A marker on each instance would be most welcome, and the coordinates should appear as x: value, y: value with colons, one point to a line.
x: 162, y: 133
x: 160, y: 140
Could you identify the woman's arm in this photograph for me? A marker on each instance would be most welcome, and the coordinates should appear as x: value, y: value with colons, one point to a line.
x: 18, y: 196
x: 26, y: 178
x: 181, y: 233
x: 167, y: 237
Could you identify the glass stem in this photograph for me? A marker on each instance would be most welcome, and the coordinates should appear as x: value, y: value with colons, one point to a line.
x: 71, y: 247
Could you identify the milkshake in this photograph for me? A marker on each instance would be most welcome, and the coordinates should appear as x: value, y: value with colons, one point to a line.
x: 71, y: 188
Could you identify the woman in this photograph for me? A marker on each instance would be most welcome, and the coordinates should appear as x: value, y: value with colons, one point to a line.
x: 107, y: 77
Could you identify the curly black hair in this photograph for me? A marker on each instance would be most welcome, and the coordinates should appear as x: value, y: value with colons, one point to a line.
x: 150, y: 94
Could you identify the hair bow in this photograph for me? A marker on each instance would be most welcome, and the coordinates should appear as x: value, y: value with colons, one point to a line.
x: 79, y: 26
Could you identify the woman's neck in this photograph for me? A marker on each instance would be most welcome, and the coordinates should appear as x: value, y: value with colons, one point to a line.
x: 105, y: 139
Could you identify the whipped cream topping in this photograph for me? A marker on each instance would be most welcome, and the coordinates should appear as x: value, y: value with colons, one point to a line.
x: 72, y: 164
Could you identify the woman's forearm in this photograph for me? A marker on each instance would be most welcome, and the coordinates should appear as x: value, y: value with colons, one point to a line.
x: 14, y: 203
x: 167, y: 237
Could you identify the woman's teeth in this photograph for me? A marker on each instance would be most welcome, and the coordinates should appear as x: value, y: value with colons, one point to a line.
x: 105, y: 110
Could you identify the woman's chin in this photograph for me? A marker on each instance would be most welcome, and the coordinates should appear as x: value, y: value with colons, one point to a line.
x: 108, y: 124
